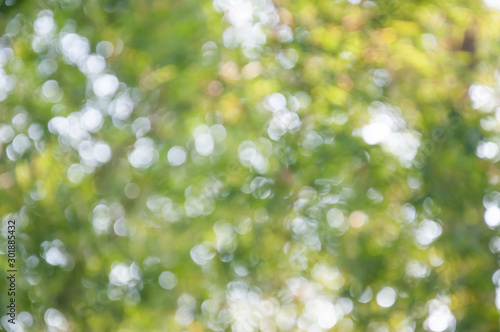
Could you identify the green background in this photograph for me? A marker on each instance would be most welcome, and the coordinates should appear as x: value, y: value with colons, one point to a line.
x: 334, y: 164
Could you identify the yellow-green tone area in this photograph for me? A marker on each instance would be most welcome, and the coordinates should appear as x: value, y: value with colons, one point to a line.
x: 251, y: 165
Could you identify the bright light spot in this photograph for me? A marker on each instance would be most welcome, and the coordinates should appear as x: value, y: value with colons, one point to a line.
x: 102, y: 152
x: 218, y: 132
x: 55, y: 257
x: 204, y: 144
x: 487, y: 150
x: 495, y: 245
x: 225, y: 239
x: 51, y: 90
x: 171, y: 212
x: 58, y: 125
x: 74, y: 47
x: 375, y: 133
x: 366, y: 296
x: 124, y: 275
x: 229, y: 71
x: 248, y: 21
x: 492, y: 216
x: 141, y: 126
x: 75, y: 173
x: 440, y: 317
x: 389, y: 129
x: 143, y: 154
x: 55, y: 319
x: 194, y: 207
x: 435, y: 259
x: 251, y: 156
x: 381, y: 77
x: 495, y: 4
x: 312, y: 140
x: 44, y: 24
x: 6, y: 133
x: 427, y: 231
x: 95, y: 64
x: 202, y: 253
x: 288, y: 58
x: 328, y: 276
x: 386, y: 297
x: 357, y: 219
x: 155, y: 202
x: 121, y: 107
x: 47, y: 66
x: 176, y: 155
x: 491, y: 199
x: 252, y: 70
x: 35, y: 131
x: 167, y: 280
x: 482, y: 97
x: 325, y: 312
x: 496, y: 278
x: 241, y: 270
x: 185, y: 313
x: 20, y: 121
x: 261, y: 187
x: 335, y: 218
x: 91, y: 119
x: 21, y: 144
x: 120, y: 275
x: 120, y: 227
x: 408, y: 212
x: 416, y: 269
x: 413, y: 182
x: 101, y: 219
x: 283, y: 121
x: 106, y: 85
x: 497, y: 298
x: 346, y: 305
x: 275, y: 102
x: 285, y: 34
x: 55, y: 254
x: 26, y: 319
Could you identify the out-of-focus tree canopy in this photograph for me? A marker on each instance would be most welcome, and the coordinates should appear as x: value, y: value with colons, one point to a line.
x: 251, y: 165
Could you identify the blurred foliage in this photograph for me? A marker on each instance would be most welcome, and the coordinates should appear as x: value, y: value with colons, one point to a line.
x: 251, y: 165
